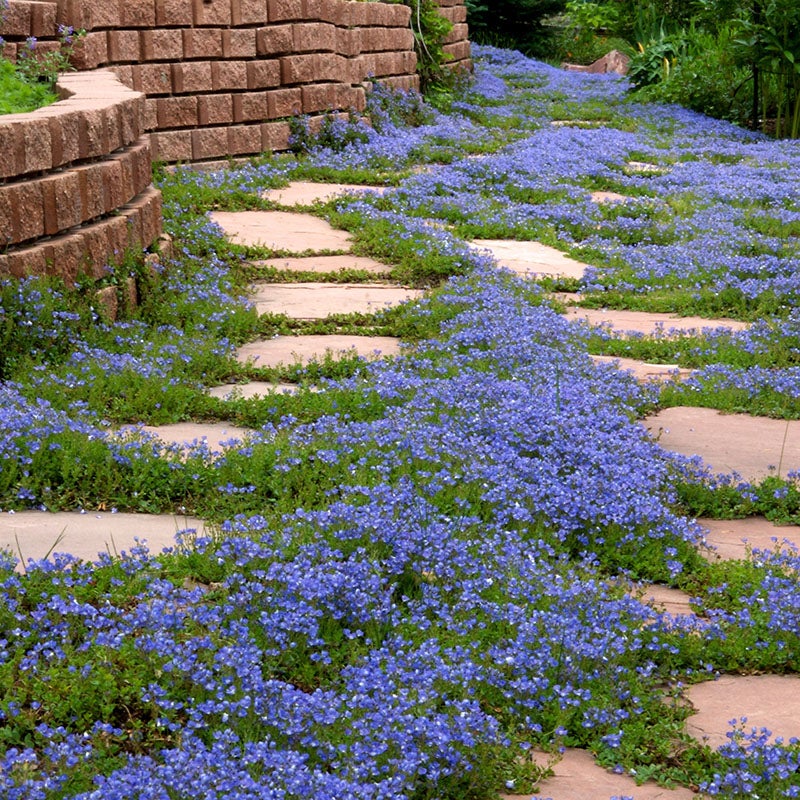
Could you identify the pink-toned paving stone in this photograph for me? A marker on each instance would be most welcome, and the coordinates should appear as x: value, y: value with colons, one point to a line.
x: 281, y: 230
x: 325, y: 264
x: 320, y: 300
x: 306, y: 193
x: 531, y: 259
x: 643, y: 371
x: 293, y: 349
x: 251, y: 390
x: 578, y: 777
x: 732, y: 539
x: 664, y: 599
x: 608, y: 197
x: 215, y: 434
x: 752, y: 447
x: 649, y: 323
x: 768, y: 701
x: 35, y: 534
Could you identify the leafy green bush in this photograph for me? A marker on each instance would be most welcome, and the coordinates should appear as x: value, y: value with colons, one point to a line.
x: 18, y: 96
x: 512, y: 23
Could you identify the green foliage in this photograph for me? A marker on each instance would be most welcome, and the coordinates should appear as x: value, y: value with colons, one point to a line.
x: 39, y: 65
x: 512, y: 23
x: 18, y: 96
x: 430, y: 32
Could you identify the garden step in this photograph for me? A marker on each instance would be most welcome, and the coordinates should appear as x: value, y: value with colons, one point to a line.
x: 643, y: 371
x: 732, y: 538
x: 34, y: 534
x: 531, y: 259
x: 320, y: 300
x: 752, y: 447
x: 281, y: 230
x: 293, y: 349
x: 769, y: 701
x: 325, y: 264
x: 664, y: 599
x: 306, y: 193
x: 252, y: 389
x: 215, y: 434
x: 649, y: 323
x: 576, y: 776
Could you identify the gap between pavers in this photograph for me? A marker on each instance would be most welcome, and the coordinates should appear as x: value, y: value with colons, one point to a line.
x: 320, y: 300
x: 531, y: 259
x: 289, y: 350
x: 85, y: 535
x: 326, y: 264
x: 752, y: 447
x: 731, y: 539
x: 281, y: 230
x: 306, y: 193
x: 623, y: 321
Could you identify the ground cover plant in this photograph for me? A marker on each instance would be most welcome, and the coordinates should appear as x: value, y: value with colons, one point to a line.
x: 422, y: 572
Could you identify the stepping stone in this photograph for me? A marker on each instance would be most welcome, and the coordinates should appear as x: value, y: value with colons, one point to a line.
x: 664, y: 599
x: 649, y: 323
x: 84, y: 535
x: 643, y: 167
x: 280, y: 230
x: 320, y: 300
x: 185, y: 433
x: 768, y: 701
x: 326, y: 264
x: 293, y: 349
x: 753, y: 447
x: 251, y: 390
x: 306, y: 193
x: 608, y: 197
x: 643, y: 371
x: 531, y: 259
x: 578, y: 777
x: 733, y: 537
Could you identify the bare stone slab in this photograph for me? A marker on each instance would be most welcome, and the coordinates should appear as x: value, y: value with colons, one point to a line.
x: 281, y: 230
x: 531, y: 259
x: 768, y: 701
x: 185, y: 433
x: 645, y: 168
x: 306, y: 193
x: 320, y: 300
x: 294, y: 349
x: 665, y: 599
x: 608, y: 197
x: 733, y: 538
x: 753, y: 447
x: 251, y: 390
x: 36, y: 533
x: 643, y: 371
x: 326, y: 264
x: 649, y: 323
x: 578, y: 777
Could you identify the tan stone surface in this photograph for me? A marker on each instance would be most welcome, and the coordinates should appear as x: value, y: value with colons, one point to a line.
x: 609, y: 197
x: 291, y: 349
x: 320, y: 300
x: 250, y: 390
x: 326, y: 264
x: 648, y: 323
x: 184, y: 433
x: 306, y: 193
x: 577, y: 777
x: 729, y: 442
x: 84, y: 535
x: 664, y: 598
x: 280, y: 230
x: 768, y: 701
x: 531, y: 259
x: 732, y: 538
x: 643, y: 371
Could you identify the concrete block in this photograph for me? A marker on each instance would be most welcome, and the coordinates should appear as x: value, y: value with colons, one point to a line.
x: 283, y: 10
x: 244, y: 139
x: 37, y: 144
x: 212, y: 12
x: 91, y: 51
x: 64, y: 257
x: 91, y: 190
x: 123, y: 46
x: 177, y: 112
x: 161, y: 45
x: 249, y: 12
x: 274, y: 40
x: 239, y: 43
x: 174, y: 13
x: 208, y: 143
x: 191, y: 77
x: 318, y: 97
x: 171, y: 146
x: 228, y: 75
x: 250, y: 107
x: 274, y: 137
x: 214, y: 109
x: 312, y: 37
x: 138, y: 14
x: 64, y: 132
x: 61, y: 199
x: 27, y: 261
x: 153, y: 79
x: 284, y: 102
x: 263, y: 74
x: 202, y: 43
x: 12, y: 153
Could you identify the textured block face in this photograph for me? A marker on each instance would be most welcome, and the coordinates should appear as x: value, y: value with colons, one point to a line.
x: 249, y: 12
x: 209, y: 143
x: 212, y: 12
x: 244, y: 139
x: 228, y: 75
x: 203, y: 43
x: 37, y: 143
x: 274, y: 40
x: 239, y: 44
x: 176, y: 13
x: 313, y: 37
x: 250, y: 107
x: 284, y: 103
x: 161, y: 45
x: 177, y: 112
x: 263, y: 74
x: 59, y: 193
x: 215, y: 109
x: 137, y: 13
x: 283, y: 10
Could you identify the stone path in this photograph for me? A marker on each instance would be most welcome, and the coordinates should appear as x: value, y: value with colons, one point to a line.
x: 301, y: 349
x: 531, y: 259
x: 215, y: 434
x: 622, y: 321
x: 281, y: 230
x: 732, y: 538
x: 306, y: 193
x: 326, y: 264
x: 643, y: 371
x: 250, y: 390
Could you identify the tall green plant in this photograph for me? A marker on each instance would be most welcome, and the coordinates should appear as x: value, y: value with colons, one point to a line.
x: 514, y: 23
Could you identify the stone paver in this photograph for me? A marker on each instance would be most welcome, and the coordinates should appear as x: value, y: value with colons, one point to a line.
x: 643, y: 371
x: 608, y: 197
x: 665, y: 599
x: 731, y: 538
x: 291, y: 349
x: 769, y: 701
x: 281, y: 230
x: 577, y: 777
x: 739, y: 443
x: 184, y: 433
x: 326, y: 264
x: 320, y: 300
x: 649, y: 323
x: 645, y: 168
x: 84, y: 535
x: 531, y: 259
x: 306, y: 193
x: 250, y: 390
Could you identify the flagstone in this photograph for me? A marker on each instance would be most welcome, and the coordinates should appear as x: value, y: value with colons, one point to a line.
x: 216, y: 434
x: 752, y: 447
x: 293, y: 349
x: 649, y: 323
x: 250, y: 390
x: 608, y: 197
x: 576, y: 776
x: 643, y: 371
x: 320, y: 300
x: 531, y: 259
x: 645, y: 168
x: 35, y: 534
x: 665, y: 599
x: 306, y: 193
x: 769, y: 701
x: 326, y: 264
x: 733, y: 538
x: 281, y: 230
